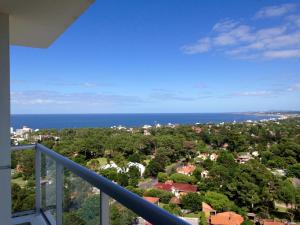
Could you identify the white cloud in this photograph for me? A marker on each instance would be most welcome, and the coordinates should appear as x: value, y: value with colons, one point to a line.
x: 275, y: 11
x: 295, y: 87
x: 295, y: 19
x: 248, y: 42
x: 254, y: 93
x: 225, y: 25
x: 37, y: 97
x: 282, y: 54
x: 166, y: 95
x: 202, y: 45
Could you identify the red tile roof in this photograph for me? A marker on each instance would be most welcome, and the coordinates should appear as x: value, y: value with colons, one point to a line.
x: 272, y: 222
x: 189, y: 169
x: 153, y: 200
x: 177, y: 186
x: 227, y: 218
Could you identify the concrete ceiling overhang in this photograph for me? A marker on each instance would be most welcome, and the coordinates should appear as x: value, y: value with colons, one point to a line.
x: 38, y: 23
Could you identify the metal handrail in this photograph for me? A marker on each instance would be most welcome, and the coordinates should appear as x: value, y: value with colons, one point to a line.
x: 138, y: 205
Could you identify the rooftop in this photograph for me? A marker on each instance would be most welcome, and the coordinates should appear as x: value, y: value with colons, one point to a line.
x: 227, y: 218
x: 177, y: 186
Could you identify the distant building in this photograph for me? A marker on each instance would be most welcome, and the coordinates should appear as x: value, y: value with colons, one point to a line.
x: 278, y: 172
x: 227, y: 218
x: 147, y: 126
x: 23, y: 133
x: 296, y: 182
x: 204, y: 174
x: 213, y: 157
x: 225, y: 146
x: 203, y: 156
x: 271, y: 222
x: 158, y: 125
x: 111, y: 165
x: 208, y: 210
x: 177, y: 189
x: 197, y: 130
x: 153, y: 200
x: 146, y: 132
x: 186, y: 170
x: 244, y: 157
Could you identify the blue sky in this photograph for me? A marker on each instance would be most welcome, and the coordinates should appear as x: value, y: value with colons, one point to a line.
x: 166, y: 56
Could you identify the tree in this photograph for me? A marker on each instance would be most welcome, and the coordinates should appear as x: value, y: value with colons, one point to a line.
x: 203, y: 219
x: 121, y: 215
x: 110, y: 173
x: 181, y: 178
x: 89, y: 211
x: 218, y: 201
x: 164, y: 196
x: 226, y: 159
x: 247, y: 222
x: 72, y: 218
x: 134, y: 172
x: 162, y: 177
x: 173, y: 208
x: 286, y: 192
x: 153, y: 168
x: 192, y: 201
x: 123, y: 179
x: 197, y: 173
x: 294, y: 170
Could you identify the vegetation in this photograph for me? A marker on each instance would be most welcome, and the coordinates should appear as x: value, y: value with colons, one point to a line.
x: 253, y: 186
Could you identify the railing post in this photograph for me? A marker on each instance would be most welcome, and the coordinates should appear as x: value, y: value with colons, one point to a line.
x: 59, y: 193
x: 37, y: 181
x: 104, y: 209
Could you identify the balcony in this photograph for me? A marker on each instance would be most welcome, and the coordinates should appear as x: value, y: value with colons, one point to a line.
x: 63, y: 186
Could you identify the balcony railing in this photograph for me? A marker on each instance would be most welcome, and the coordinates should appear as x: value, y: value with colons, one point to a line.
x: 56, y: 175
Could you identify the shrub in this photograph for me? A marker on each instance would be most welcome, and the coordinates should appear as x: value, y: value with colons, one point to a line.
x: 192, y: 201
x: 173, y: 208
x: 162, y: 177
x: 181, y: 178
x: 164, y: 196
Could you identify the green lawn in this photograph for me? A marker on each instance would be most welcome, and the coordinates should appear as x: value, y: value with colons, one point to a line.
x: 193, y: 215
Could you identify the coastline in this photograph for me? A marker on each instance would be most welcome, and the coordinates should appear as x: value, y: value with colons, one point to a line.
x: 61, y: 121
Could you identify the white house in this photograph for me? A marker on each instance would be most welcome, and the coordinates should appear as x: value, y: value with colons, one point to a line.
x: 112, y: 165
x: 213, y: 157
x: 203, y: 156
x: 204, y: 174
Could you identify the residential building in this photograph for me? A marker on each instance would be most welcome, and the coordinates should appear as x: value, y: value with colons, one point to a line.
x: 203, y: 156
x: 186, y: 170
x: 204, y: 174
x: 153, y: 200
x: 213, y: 157
x: 178, y: 189
x: 226, y: 218
x: 271, y: 222
x: 208, y: 210
x: 244, y: 157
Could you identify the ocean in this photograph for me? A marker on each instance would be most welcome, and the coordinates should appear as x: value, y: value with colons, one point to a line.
x: 59, y: 121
